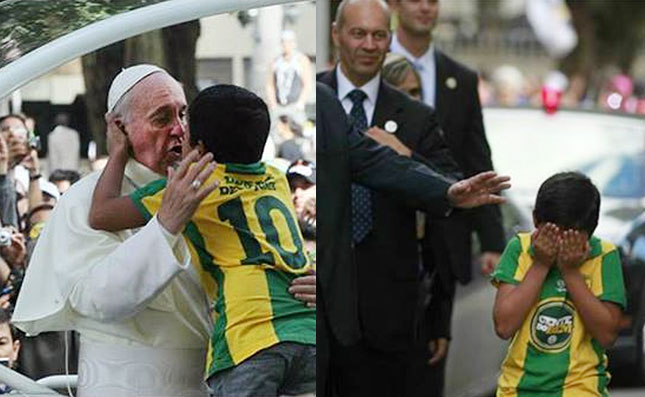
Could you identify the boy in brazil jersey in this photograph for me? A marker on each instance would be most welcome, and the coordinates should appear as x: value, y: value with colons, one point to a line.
x: 245, y: 237
x: 560, y: 295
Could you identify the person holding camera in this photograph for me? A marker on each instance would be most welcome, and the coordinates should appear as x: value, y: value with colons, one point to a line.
x: 19, y: 171
x: 13, y: 254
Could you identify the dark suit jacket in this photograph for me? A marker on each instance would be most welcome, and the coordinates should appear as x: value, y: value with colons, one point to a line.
x: 449, y: 241
x: 387, y: 260
x: 345, y: 157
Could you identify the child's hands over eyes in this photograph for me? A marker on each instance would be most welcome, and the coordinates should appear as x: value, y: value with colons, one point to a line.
x: 545, y: 244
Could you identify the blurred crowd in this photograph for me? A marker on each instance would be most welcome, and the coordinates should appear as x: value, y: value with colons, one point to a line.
x: 508, y: 86
x: 27, y: 198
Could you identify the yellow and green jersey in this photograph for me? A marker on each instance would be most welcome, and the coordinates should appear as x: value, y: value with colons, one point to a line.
x: 246, y: 239
x: 552, y: 354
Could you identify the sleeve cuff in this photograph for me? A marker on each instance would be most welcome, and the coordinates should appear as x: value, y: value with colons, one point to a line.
x: 170, y: 238
x: 180, y: 250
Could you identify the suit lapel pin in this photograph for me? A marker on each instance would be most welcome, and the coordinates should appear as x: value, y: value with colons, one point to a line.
x: 451, y: 83
x: 391, y: 126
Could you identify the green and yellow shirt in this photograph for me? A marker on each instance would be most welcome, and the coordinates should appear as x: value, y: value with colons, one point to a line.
x: 246, y: 239
x: 552, y: 354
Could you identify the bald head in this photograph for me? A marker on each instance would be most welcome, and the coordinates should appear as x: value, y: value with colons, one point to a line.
x: 362, y: 36
x: 340, y: 11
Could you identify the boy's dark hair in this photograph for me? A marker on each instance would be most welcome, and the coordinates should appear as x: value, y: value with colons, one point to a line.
x: 570, y: 200
x: 64, y: 175
x: 232, y: 122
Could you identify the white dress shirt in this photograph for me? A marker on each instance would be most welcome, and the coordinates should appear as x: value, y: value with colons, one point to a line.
x: 425, y: 66
x: 370, y: 89
x: 132, y: 295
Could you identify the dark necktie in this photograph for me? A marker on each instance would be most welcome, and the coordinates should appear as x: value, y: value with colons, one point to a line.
x: 361, y: 200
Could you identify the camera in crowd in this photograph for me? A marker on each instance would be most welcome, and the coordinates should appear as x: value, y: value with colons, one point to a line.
x: 5, y: 237
x: 34, y: 143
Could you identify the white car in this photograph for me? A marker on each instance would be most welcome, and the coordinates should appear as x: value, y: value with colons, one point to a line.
x: 531, y: 145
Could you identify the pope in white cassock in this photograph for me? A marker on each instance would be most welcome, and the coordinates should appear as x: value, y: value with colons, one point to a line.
x: 133, y: 296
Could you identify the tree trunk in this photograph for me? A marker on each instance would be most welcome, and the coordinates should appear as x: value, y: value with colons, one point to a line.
x: 583, y: 61
x: 145, y: 48
x: 180, y: 44
x: 99, y: 68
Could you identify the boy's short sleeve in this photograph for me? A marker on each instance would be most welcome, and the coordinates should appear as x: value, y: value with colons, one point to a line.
x: 613, y: 286
x: 507, y: 267
x: 148, y: 198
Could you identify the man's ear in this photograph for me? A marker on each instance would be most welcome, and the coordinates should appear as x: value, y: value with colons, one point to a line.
x: 334, y: 34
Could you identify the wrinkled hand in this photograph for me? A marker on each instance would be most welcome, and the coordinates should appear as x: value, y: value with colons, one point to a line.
x: 573, y: 250
x: 15, y: 253
x: 117, y: 138
x: 303, y: 288
x: 181, y: 199
x: 478, y: 190
x: 488, y: 261
x: 545, y: 244
x: 389, y: 140
x: 438, y: 349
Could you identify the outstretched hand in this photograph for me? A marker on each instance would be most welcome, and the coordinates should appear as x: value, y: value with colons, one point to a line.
x: 478, y: 190
x: 185, y: 190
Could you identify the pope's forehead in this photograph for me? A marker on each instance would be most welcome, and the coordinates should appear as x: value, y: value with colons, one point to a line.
x: 159, y: 84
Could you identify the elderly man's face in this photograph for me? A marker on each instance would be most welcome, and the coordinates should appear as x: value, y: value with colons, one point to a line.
x: 362, y: 40
x: 417, y: 17
x: 158, y: 122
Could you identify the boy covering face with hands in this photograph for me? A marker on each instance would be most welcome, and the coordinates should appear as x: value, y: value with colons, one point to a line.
x: 560, y: 295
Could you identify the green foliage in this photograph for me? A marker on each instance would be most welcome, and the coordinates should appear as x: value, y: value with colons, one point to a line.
x: 28, y: 24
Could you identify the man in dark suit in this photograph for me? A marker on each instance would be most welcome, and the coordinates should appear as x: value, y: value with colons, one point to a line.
x: 385, y: 245
x: 344, y: 157
x: 451, y: 88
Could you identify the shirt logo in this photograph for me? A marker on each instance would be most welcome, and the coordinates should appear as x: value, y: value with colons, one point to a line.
x: 552, y: 326
x: 560, y: 286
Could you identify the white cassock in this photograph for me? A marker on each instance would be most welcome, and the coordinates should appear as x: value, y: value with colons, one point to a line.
x: 132, y: 295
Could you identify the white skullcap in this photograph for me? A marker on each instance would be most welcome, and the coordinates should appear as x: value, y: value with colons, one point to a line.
x: 49, y: 188
x: 126, y: 79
